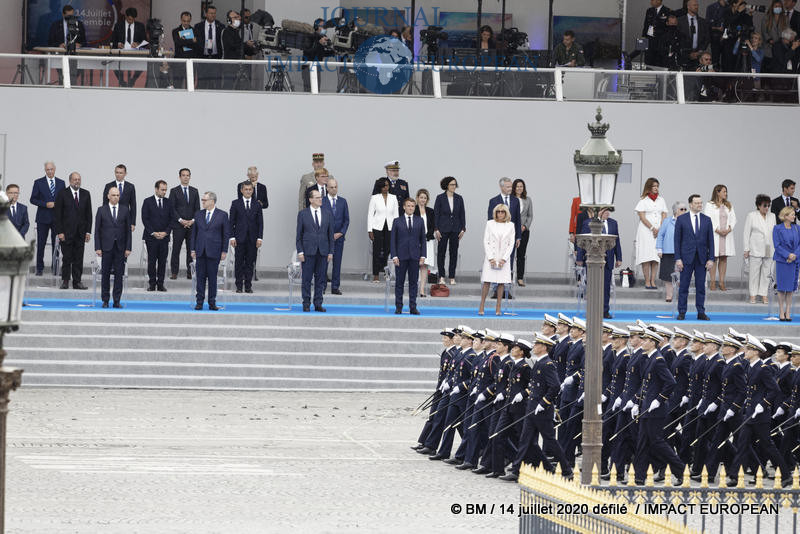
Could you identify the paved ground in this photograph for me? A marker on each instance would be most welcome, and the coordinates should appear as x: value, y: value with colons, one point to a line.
x: 111, y: 461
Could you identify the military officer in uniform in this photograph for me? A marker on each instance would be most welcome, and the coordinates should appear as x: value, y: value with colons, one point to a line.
x: 307, y: 180
x: 619, y: 344
x: 709, y: 400
x: 444, y: 363
x: 397, y: 186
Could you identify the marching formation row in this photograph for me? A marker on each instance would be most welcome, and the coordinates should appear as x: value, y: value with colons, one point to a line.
x: 670, y: 398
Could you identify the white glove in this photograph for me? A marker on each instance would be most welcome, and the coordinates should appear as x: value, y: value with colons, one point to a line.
x: 635, y: 411
x: 684, y: 401
x: 728, y: 415
x: 797, y: 414
x: 474, y: 390
x: 698, y: 405
x: 580, y: 398
x: 445, y: 386
x: 618, y: 402
x: 603, y: 397
x: 538, y: 409
x: 481, y: 398
x: 499, y: 397
x: 568, y: 381
x: 711, y: 408
x: 517, y: 398
x: 759, y: 409
x: 628, y: 406
x: 779, y: 412
x: 654, y: 405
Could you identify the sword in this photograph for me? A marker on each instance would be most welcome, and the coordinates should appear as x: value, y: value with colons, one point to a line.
x: 634, y: 420
x: 482, y: 419
x: 734, y: 432
x: 460, y: 396
x: 692, y: 420
x: 788, y: 427
x: 419, y: 408
x: 510, y: 425
x: 573, y: 416
x: 778, y: 429
x: 709, y: 429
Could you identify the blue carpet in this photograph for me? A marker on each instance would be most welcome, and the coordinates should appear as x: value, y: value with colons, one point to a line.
x: 435, y: 312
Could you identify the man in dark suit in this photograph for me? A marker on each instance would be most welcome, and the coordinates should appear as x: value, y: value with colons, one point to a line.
x: 786, y: 199
x: 233, y: 48
x: 184, y: 49
x: 695, y: 33
x: 209, y: 245
x: 341, y: 222
x: 112, y: 244
x: 655, y: 24
x: 59, y: 35
x: 408, y: 248
x: 321, y: 176
x: 247, y: 233
x: 127, y: 34
x: 158, y: 214
x: 17, y: 213
x: 43, y: 196
x: 314, y: 242
x: 791, y: 15
x: 72, y: 216
x: 208, y: 33
x: 186, y: 202
x: 259, y: 191
x: 613, y: 256
x: 127, y: 192
x: 694, y: 253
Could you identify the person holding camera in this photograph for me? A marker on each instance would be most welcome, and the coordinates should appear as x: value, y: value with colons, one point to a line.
x: 751, y: 53
x: 128, y: 34
x: 737, y: 22
x: 59, y: 35
x: 714, y: 15
x: 319, y: 49
x: 785, y: 54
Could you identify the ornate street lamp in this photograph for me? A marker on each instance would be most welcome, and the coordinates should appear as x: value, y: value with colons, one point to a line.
x: 15, y: 257
x: 597, y: 165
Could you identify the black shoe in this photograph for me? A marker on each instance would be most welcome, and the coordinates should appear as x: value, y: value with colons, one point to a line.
x: 638, y: 482
x: 465, y: 466
x: 417, y: 447
x: 306, y: 308
x: 453, y: 461
x: 511, y: 477
x: 482, y: 470
x: 173, y: 276
x: 414, y: 312
x: 105, y: 304
x: 188, y: 276
x: 568, y: 476
x: 786, y: 482
x: 678, y: 481
x: 605, y: 476
x: 151, y: 288
x: 398, y: 311
x: 437, y: 457
x: 702, y: 317
x: 336, y: 292
x: 319, y: 309
x: 494, y: 475
x: 659, y: 476
x: 607, y: 316
x: 212, y: 307
x: 696, y: 478
x: 78, y: 285
x: 681, y: 316
x: 238, y: 289
x: 162, y: 289
x: 426, y: 450
x: 117, y: 305
x: 199, y: 306
x: 248, y: 290
x: 732, y: 482
x: 38, y: 273
x: 64, y: 285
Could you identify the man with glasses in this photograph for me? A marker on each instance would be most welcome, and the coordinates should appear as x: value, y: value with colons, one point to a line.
x: 209, y: 246
x: 17, y: 213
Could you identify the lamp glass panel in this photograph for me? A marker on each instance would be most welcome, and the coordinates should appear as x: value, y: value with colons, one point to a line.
x: 586, y: 187
x: 16, y: 298
x: 5, y: 298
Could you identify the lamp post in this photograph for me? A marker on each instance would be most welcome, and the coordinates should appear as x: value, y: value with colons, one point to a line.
x: 15, y: 256
x: 597, y: 165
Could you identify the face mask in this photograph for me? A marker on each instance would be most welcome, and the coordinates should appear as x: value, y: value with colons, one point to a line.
x: 777, y: 10
x: 236, y: 23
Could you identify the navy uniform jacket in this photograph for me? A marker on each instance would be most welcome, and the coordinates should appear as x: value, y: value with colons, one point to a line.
x: 695, y: 389
x: 446, y: 220
x: 260, y: 194
x: 500, y: 374
x: 311, y: 239
x: 184, y: 209
x: 617, y: 384
x: 341, y: 217
x: 559, y: 356
x: 680, y: 368
x: 785, y: 377
x: 212, y: 238
x: 155, y: 219
x: 20, y: 219
x: 712, y: 381
x: 40, y: 196
x: 107, y: 231
x: 127, y: 198
x: 657, y: 384
x: 247, y: 226
x: 608, y: 366
x: 444, y: 364
x: 668, y: 353
x: 792, y: 403
x: 406, y: 245
x: 574, y: 364
x: 733, y: 387
x: 484, y: 373
x: 513, y: 207
x: 462, y: 369
x: 543, y: 387
x: 518, y: 380
x: 761, y: 389
x: 633, y: 376
x: 398, y: 188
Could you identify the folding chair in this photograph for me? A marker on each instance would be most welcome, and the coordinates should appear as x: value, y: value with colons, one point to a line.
x: 97, y: 278
x: 143, y: 265
x: 580, y: 288
x: 222, y: 283
x: 390, y: 274
x: 295, y: 273
x: 744, y: 277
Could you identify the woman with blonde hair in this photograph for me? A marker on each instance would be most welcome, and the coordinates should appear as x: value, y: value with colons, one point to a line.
x: 723, y: 220
x: 498, y: 243
x: 652, y: 210
x: 786, y: 238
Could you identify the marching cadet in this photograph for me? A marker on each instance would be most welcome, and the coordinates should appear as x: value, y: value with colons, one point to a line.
x: 664, y: 348
x: 762, y: 389
x: 692, y: 398
x: 496, y: 393
x: 625, y: 441
x: 444, y: 363
x: 459, y: 391
x: 559, y: 352
x: 709, y: 401
x: 609, y: 356
x: 619, y: 344
x: 784, y: 377
x: 790, y: 430
x: 509, y: 425
x: 729, y: 415
x: 542, y: 391
x: 570, y: 390
x: 476, y: 436
x: 680, y: 371
x: 549, y: 328
x: 651, y: 401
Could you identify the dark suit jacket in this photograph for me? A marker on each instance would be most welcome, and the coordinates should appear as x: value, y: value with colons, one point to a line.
x: 40, y: 196
x: 659, y: 22
x: 200, y: 33
x: 20, y: 220
x: 246, y: 225
x: 778, y: 205
x: 689, y: 246
x: 259, y: 194
x: 180, y: 43
x: 310, y: 239
x: 703, y: 33
x: 406, y: 245
x: 232, y: 44
x: 341, y: 219
x: 513, y: 208
x: 781, y: 54
x: 118, y: 34
x: 445, y: 220
x: 71, y: 220
x: 430, y: 220
x: 313, y: 188
x: 157, y: 220
x: 56, y: 36
x: 794, y: 21
x: 107, y: 231
x: 184, y: 210
x: 210, y: 239
x: 127, y: 199
x: 611, y: 255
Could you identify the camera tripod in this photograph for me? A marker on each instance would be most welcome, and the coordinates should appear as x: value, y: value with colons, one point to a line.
x: 348, y: 81
x: 278, y: 79
x: 22, y: 71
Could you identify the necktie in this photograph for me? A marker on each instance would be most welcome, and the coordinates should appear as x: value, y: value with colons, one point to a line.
x: 605, y: 227
x: 159, y: 203
x: 210, y: 38
x: 208, y: 217
x: 334, y: 205
x: 322, y: 190
x: 787, y: 201
x: 76, y: 199
x: 114, y: 213
x: 696, y: 224
x: 505, y: 200
x: 130, y: 38
x: 53, y: 189
x: 119, y: 186
x: 13, y: 212
x: 247, y: 205
x: 316, y: 218
x: 186, y: 194
x: 409, y: 224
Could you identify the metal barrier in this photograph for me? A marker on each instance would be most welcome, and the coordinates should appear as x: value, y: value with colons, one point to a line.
x: 97, y: 276
x: 390, y: 277
x: 580, y: 289
x: 222, y: 282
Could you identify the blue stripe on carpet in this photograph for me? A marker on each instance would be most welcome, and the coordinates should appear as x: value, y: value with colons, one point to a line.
x: 435, y: 312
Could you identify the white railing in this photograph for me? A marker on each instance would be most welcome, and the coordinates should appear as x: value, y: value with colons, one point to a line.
x: 563, y: 83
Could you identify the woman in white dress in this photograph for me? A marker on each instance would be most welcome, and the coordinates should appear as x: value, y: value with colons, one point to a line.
x: 498, y: 243
x: 427, y: 215
x: 723, y: 219
x: 652, y: 210
x: 758, y: 247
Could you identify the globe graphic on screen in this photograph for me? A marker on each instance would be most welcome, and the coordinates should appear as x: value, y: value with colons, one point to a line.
x: 369, y: 64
